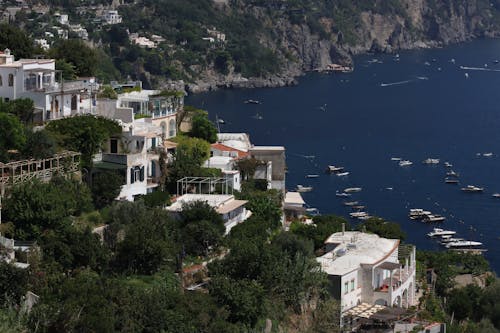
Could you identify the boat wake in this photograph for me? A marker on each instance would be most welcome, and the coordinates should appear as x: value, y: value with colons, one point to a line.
x: 395, y: 83
x: 484, y: 69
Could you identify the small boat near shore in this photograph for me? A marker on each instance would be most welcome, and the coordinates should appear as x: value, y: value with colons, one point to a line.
x: 312, y: 176
x: 496, y: 195
x: 342, y: 174
x: 301, y: 188
x: 472, y: 189
x: 463, y: 244
x: 396, y: 159
x: 433, y: 218
x: 452, y: 173
x: 448, y: 164
x: 418, y: 213
x: 451, y: 181
x: 350, y: 203
x: 342, y: 194
x: 334, y: 169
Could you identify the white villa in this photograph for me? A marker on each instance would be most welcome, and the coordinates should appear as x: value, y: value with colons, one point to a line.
x: 111, y: 17
x: 36, y: 79
x: 366, y: 268
x: 231, y: 210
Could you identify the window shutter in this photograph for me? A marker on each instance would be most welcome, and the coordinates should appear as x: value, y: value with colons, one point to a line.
x: 141, y: 175
x: 132, y: 176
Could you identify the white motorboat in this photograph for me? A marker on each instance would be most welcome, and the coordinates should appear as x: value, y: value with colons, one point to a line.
x: 487, y: 154
x: 463, y: 244
x: 452, y: 173
x: 440, y: 232
x: 312, y: 211
x: 405, y: 163
x: 352, y: 189
x: 301, y: 188
x: 395, y: 158
x: 432, y: 218
x: 431, y: 161
x: 334, y: 169
x: 364, y: 217
x: 342, y: 194
x: 448, y: 164
x: 472, y: 189
x: 418, y: 213
x: 496, y: 195
x: 350, y: 203
x: 451, y: 239
x: 312, y: 176
x: 342, y: 174
x: 358, y: 214
x: 451, y: 181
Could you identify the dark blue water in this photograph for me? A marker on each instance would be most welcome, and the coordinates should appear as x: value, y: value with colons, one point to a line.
x: 438, y: 113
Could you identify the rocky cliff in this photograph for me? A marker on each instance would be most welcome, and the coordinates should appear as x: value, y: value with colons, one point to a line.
x: 336, y: 32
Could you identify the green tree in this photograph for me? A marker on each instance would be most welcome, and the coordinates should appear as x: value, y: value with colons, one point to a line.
x: 16, y: 40
x: 67, y: 69
x: 76, y: 53
x: 39, y: 144
x: 108, y: 92
x: 190, y: 155
x: 105, y: 188
x: 23, y: 108
x: 383, y: 228
x: 13, y: 284
x: 85, y: 134
x: 12, y: 135
x: 202, y: 127
x: 327, y: 317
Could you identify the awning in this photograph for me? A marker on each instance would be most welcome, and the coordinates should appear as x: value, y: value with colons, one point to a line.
x: 230, y: 206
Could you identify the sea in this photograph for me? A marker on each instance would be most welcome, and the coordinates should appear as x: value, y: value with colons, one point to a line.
x: 431, y: 103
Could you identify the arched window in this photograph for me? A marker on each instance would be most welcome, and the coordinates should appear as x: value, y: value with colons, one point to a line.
x: 171, y: 128
x: 11, y: 80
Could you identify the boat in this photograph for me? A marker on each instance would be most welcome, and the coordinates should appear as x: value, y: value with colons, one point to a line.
x: 350, y: 203
x: 301, y: 188
x: 220, y: 121
x: 352, y: 189
x: 405, y: 163
x: 472, y: 189
x: 312, y: 211
x: 440, y: 232
x: 364, y: 217
x: 487, y: 154
x: 431, y: 161
x: 358, y: 214
x: 418, y: 213
x: 334, y: 169
x: 495, y: 61
x: 433, y: 218
x: 342, y: 194
x: 257, y: 116
x: 341, y: 174
x: 466, y: 75
x: 358, y: 207
x: 452, y: 173
x: 395, y: 158
x: 252, y: 101
x: 496, y: 195
x: 451, y: 181
x: 448, y: 164
x: 451, y: 239
x: 312, y: 176
x: 464, y: 243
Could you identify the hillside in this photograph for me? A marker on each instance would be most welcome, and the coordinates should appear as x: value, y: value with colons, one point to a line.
x: 250, y: 43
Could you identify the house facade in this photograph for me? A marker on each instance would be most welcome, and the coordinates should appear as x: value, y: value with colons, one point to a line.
x: 366, y: 268
x: 36, y: 79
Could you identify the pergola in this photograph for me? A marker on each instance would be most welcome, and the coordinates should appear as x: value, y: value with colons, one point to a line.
x: 24, y: 170
x: 202, y: 185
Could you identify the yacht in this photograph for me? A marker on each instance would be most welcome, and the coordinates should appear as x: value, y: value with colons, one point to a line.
x: 418, y: 213
x: 395, y: 158
x: 341, y: 174
x: 431, y: 161
x: 350, y: 203
x: 358, y: 207
x: 450, y: 239
x: 358, y: 214
x: 487, y: 154
x: 462, y: 244
x: 432, y: 218
x: 448, y: 164
x: 472, y: 189
x: 452, y: 173
x: 342, y: 194
x: 496, y: 195
x: 334, y: 169
x: 352, y: 189
x: 301, y: 188
x: 440, y: 232
x: 312, y: 211
x: 405, y: 163
x: 451, y: 181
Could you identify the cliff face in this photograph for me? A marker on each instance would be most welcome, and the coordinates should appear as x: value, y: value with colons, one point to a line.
x: 408, y: 24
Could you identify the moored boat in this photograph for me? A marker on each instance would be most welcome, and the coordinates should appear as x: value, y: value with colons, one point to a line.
x: 352, y: 189
x: 334, y: 169
x: 418, y: 213
x: 472, y: 189
x: 312, y: 176
x: 496, y: 195
x: 451, y: 181
x: 342, y: 194
x: 432, y: 218
x: 301, y: 188
x: 350, y: 203
x: 431, y: 161
x: 440, y: 232
x: 463, y: 244
x: 405, y: 163
x: 342, y: 174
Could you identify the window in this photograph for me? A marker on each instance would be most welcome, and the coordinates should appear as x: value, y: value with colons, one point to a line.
x: 352, y: 284
x: 1, y: 83
x: 136, y: 174
x: 346, y: 287
x: 11, y: 80
x: 114, y: 146
x: 171, y: 128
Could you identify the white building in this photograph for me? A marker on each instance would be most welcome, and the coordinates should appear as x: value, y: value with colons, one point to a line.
x: 80, y: 31
x: 42, y: 42
x: 61, y: 18
x: 135, y: 154
x: 36, y: 79
x: 111, y: 17
x: 366, y: 268
x: 143, y: 42
x: 231, y: 210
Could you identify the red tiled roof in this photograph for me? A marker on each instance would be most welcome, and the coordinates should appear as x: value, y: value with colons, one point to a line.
x: 223, y: 147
